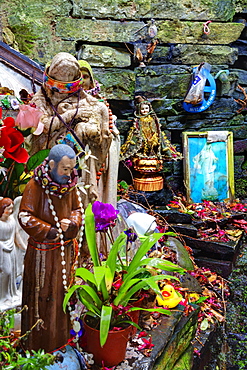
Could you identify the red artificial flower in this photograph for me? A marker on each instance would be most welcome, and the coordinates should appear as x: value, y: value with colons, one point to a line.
x: 11, y: 140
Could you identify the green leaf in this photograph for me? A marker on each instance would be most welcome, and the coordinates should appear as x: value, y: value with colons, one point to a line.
x: 116, y: 246
x: 156, y: 309
x: 170, y: 233
x: 99, y: 274
x: 108, y: 278
x: 129, y: 276
x: 88, y: 289
x: 142, y: 250
x: 164, y: 265
x: 85, y: 274
x: 36, y: 159
x: 68, y: 295
x: 91, y: 235
x: 204, y: 324
x: 89, y: 305
x: 18, y: 170
x: 105, y: 321
x: 201, y: 299
x: 126, y: 294
x: 183, y: 257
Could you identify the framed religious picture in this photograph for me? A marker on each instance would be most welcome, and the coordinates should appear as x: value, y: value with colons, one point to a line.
x: 208, y: 166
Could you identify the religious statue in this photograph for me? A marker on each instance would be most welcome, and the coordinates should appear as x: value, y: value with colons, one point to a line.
x: 147, y: 147
x: 205, y: 163
x: 51, y: 214
x: 108, y: 174
x: 72, y: 116
x: 21, y: 241
x: 9, y: 296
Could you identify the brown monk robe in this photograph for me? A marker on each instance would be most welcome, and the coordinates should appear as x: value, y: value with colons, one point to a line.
x: 43, y: 290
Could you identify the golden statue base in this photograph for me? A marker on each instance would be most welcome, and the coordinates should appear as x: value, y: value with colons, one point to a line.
x: 147, y: 177
x: 148, y: 183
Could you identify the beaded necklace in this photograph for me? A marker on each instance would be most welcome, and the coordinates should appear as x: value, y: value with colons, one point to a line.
x: 75, y: 324
x: 61, y: 237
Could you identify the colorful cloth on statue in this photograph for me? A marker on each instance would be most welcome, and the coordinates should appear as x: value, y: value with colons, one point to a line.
x: 43, y: 178
x: 61, y: 87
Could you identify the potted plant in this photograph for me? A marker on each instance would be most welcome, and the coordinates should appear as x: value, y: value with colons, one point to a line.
x: 108, y: 290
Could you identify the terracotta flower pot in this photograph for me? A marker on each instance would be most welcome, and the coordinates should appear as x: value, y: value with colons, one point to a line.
x: 113, y: 351
x: 134, y: 315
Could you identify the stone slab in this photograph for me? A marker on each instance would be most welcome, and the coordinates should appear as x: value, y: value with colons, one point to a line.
x: 223, y: 268
x: 161, y: 81
x: 175, y: 31
x: 218, y: 250
x: 184, y: 229
x: 171, y: 9
x: 207, y: 339
x: 240, y: 146
x: 183, y: 334
x: 173, y: 216
x: 212, y: 54
x: 105, y: 56
x: 95, y: 30
x: 118, y: 84
x: 169, y: 31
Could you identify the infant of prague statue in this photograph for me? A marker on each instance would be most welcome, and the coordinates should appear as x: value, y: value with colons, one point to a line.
x: 147, y: 147
x: 73, y: 115
x: 51, y: 214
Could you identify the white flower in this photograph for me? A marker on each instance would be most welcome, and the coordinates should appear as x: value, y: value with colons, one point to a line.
x: 88, y: 153
x: 3, y: 171
x: 82, y: 187
x: 14, y: 103
x: 82, y: 164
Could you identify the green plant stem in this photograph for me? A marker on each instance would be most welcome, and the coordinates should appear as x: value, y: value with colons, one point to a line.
x: 104, y: 244
x: 10, y: 171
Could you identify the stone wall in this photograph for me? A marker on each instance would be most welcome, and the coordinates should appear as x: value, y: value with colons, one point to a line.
x: 108, y: 34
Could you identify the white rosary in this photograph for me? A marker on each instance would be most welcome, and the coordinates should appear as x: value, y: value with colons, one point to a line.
x: 60, y: 231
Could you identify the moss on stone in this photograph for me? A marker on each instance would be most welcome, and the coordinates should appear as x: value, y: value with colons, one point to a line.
x: 241, y: 188
x: 192, y: 32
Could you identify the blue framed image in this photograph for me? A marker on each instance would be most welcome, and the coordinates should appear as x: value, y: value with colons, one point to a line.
x: 208, y: 166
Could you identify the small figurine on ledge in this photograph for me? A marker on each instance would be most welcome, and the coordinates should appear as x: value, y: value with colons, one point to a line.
x: 147, y: 147
x: 9, y: 296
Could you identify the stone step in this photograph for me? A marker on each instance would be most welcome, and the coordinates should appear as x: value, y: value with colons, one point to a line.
x: 218, y: 250
x: 173, y: 216
x: 184, y: 229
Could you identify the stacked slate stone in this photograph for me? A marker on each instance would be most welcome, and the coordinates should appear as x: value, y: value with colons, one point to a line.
x: 112, y: 35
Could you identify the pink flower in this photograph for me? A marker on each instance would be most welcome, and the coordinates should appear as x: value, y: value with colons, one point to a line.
x: 30, y: 117
x: 147, y: 344
x: 142, y: 334
x: 117, y: 284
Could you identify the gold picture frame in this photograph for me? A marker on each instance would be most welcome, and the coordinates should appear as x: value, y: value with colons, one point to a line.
x: 208, y: 166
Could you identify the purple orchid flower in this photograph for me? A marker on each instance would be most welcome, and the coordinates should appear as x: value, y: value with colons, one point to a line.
x: 105, y: 215
x: 131, y: 235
